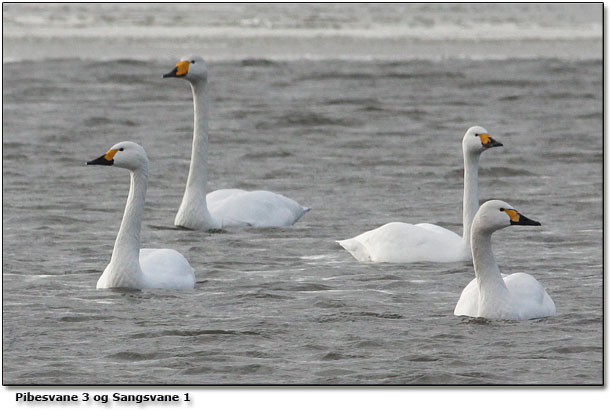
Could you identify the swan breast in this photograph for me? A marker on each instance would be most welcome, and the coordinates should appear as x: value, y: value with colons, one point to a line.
x: 166, y: 268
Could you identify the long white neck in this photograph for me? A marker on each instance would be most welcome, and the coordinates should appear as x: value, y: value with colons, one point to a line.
x: 125, y: 259
x: 193, y: 212
x: 471, y: 194
x: 198, y: 173
x: 492, y: 288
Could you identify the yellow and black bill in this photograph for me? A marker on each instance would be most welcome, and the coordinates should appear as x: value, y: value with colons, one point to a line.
x: 106, y: 159
x: 181, y: 69
x: 517, y: 219
x: 488, y: 141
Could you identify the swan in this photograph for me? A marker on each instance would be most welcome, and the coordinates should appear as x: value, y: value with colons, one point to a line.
x: 130, y: 266
x: 224, y: 207
x: 400, y: 242
x: 494, y: 296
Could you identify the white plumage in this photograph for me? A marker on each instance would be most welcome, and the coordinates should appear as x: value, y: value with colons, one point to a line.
x: 494, y: 296
x: 236, y: 207
x: 130, y: 266
x: 226, y: 207
x: 401, y: 242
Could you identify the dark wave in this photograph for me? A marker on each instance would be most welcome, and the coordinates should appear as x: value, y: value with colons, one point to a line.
x: 136, y: 356
x: 193, y: 333
x: 496, y: 172
x: 338, y: 76
x: 355, y: 316
x: 424, y: 76
x: 481, y: 83
x: 259, y: 62
x: 100, y: 121
x: 353, y: 101
x: 267, y: 154
x: 305, y: 119
x: 298, y: 286
x: 86, y: 318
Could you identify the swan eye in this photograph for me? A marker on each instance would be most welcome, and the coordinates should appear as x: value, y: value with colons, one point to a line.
x: 502, y: 209
x: 121, y: 149
x: 192, y: 61
x: 476, y: 135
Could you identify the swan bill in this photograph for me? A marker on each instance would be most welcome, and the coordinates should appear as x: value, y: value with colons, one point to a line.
x: 181, y: 69
x: 106, y: 159
x: 517, y: 219
x: 489, y: 142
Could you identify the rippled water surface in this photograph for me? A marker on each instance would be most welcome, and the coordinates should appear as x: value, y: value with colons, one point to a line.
x: 360, y: 142
x: 354, y: 110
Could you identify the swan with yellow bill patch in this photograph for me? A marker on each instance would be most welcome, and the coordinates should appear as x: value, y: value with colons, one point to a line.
x: 492, y: 295
x: 401, y: 242
x: 130, y: 266
x: 225, y: 207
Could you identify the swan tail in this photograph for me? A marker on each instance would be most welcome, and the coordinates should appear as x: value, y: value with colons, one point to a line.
x: 356, y: 248
x: 304, y: 210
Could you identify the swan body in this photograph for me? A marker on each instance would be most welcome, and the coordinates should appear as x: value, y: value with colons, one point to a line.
x: 236, y: 207
x: 226, y: 207
x: 400, y: 242
x: 130, y: 266
x: 492, y: 295
x: 423, y: 241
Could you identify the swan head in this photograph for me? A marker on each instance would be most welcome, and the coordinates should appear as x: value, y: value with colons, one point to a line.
x: 495, y: 214
x: 477, y: 139
x: 192, y: 69
x: 125, y: 154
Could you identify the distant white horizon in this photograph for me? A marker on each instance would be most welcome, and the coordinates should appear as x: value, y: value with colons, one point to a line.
x: 292, y: 31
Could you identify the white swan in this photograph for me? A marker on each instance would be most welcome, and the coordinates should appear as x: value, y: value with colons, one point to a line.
x: 494, y: 296
x: 400, y: 242
x: 225, y: 207
x: 130, y: 266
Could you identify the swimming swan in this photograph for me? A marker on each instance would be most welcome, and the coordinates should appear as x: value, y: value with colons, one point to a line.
x: 225, y: 207
x: 400, y: 242
x: 130, y: 266
x: 494, y: 296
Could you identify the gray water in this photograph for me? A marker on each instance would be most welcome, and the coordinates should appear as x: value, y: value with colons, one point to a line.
x: 362, y: 142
